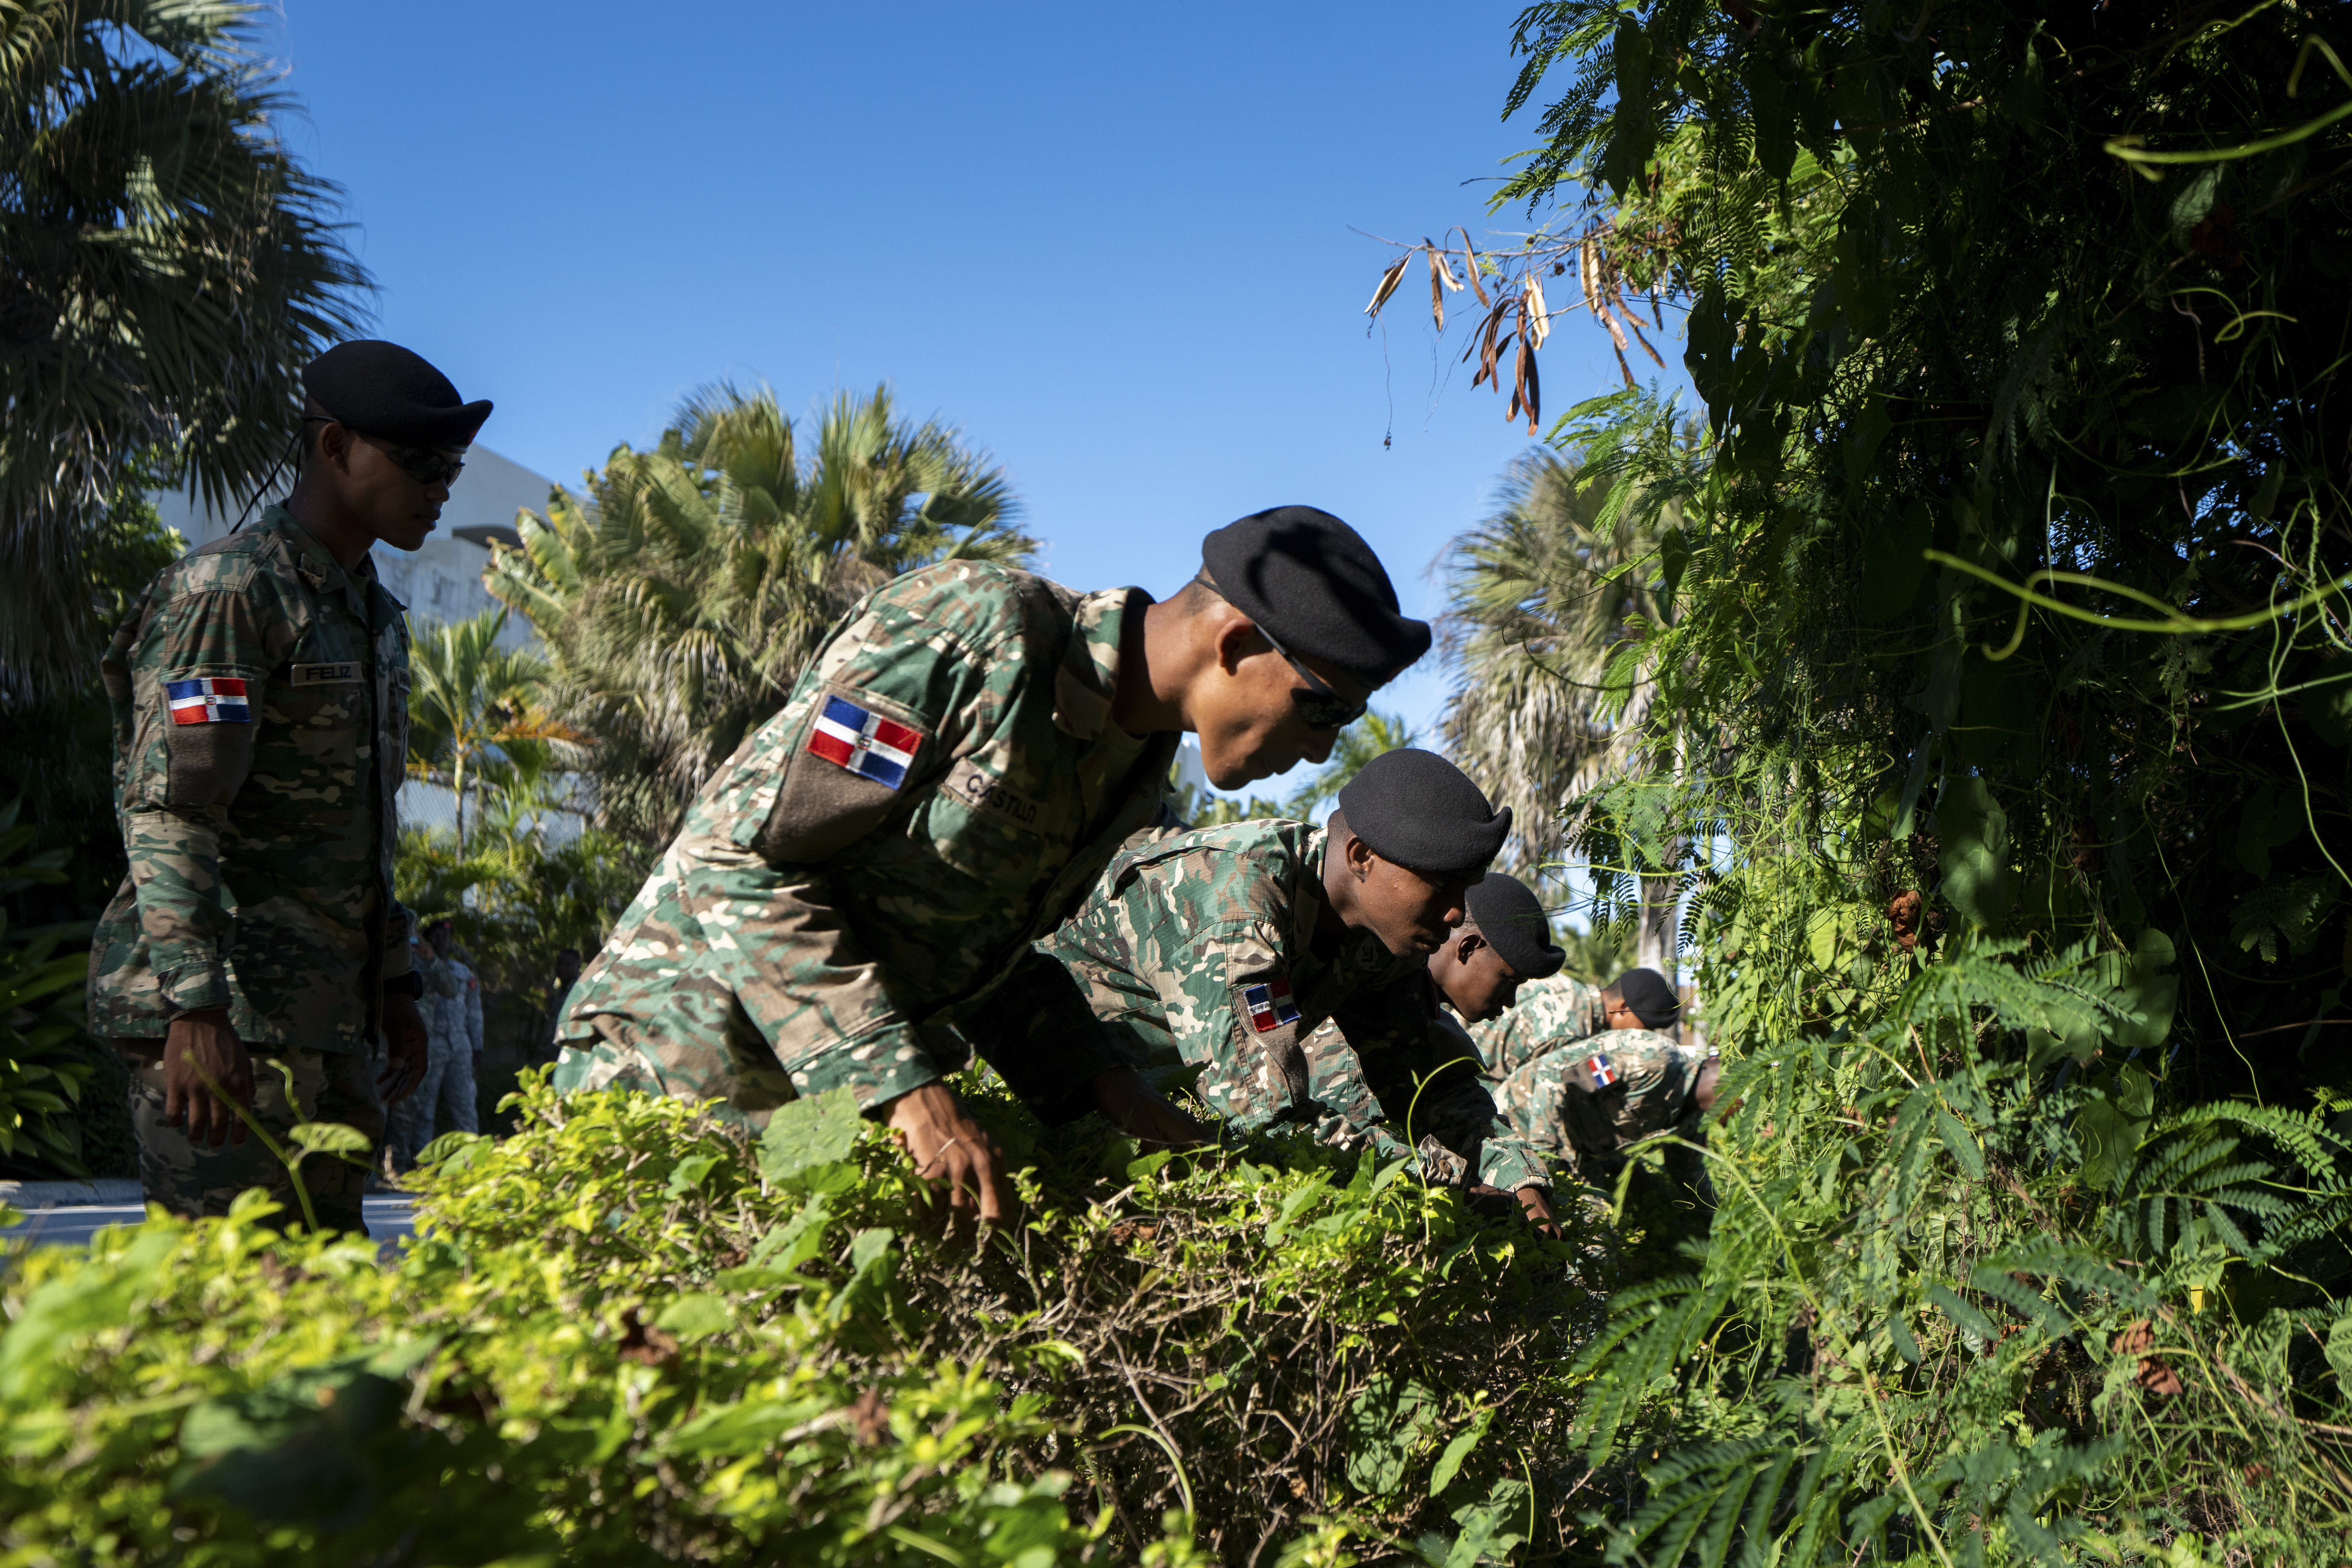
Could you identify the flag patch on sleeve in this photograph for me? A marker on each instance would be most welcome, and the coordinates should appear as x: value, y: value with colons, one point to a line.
x: 213, y: 699
x: 863, y: 742
x: 1603, y: 1075
x: 1270, y: 1007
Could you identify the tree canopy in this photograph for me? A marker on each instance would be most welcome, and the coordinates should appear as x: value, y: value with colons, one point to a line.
x: 166, y: 268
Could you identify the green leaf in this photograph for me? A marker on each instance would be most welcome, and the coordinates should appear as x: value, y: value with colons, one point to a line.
x: 1975, y: 1322
x: 1964, y: 1149
x: 2339, y: 1351
x: 1974, y: 834
x: 808, y: 1134
x: 690, y: 1174
x: 1449, y: 1463
x: 696, y: 1317
x: 2112, y: 1124
x: 329, y: 1138
x: 1388, y: 1424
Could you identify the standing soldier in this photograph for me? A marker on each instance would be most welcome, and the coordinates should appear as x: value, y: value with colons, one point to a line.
x: 259, y: 692
x: 443, y: 1100
x: 1290, y: 963
x: 965, y: 752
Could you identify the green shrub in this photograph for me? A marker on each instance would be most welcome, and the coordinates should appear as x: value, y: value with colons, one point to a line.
x: 631, y: 1333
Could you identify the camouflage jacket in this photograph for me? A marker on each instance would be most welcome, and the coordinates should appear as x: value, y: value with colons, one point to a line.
x: 453, y: 1003
x: 1547, y: 1012
x: 260, y: 695
x: 1211, y: 935
x: 943, y: 785
x: 1593, y: 1099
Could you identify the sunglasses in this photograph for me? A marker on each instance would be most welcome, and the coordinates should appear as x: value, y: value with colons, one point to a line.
x: 424, y: 465
x: 1317, y: 703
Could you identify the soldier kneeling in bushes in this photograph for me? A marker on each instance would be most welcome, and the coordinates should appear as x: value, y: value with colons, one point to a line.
x: 1583, y: 1072
x: 1290, y: 962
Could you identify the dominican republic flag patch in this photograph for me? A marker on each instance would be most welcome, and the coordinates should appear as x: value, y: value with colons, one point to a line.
x: 1603, y: 1075
x: 865, y: 743
x: 1270, y: 1007
x: 215, y: 699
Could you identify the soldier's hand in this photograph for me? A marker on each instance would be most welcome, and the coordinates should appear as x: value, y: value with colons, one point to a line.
x: 947, y: 1146
x: 405, y: 1044
x: 1145, y: 1114
x: 198, y: 1046
x: 1536, y: 1202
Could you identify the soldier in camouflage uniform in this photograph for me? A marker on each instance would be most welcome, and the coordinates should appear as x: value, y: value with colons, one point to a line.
x: 1588, y: 1096
x: 1290, y: 962
x: 260, y: 699
x: 963, y: 756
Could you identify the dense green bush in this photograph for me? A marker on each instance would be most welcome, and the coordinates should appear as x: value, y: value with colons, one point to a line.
x: 632, y: 1332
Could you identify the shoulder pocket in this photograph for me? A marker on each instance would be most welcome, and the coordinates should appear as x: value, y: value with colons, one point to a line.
x: 847, y: 771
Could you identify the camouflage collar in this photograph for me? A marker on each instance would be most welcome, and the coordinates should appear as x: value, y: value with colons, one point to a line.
x: 314, y: 560
x: 1088, y: 678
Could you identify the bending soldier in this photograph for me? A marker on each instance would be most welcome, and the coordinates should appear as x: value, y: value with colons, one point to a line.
x: 259, y: 694
x: 966, y: 750
x: 1584, y: 1093
x: 1290, y: 962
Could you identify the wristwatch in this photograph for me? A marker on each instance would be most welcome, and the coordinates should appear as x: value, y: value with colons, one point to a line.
x: 411, y: 986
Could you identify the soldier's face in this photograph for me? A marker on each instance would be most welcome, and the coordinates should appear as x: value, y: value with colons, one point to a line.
x: 1473, y: 977
x: 1247, y: 714
x: 1411, y: 913
x: 381, y: 495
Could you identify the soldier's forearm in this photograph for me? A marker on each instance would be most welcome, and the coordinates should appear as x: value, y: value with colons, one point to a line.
x: 175, y: 869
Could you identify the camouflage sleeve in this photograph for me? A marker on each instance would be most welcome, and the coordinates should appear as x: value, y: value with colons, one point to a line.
x: 1226, y: 989
x: 198, y: 680
x: 474, y: 1013
x: 1347, y: 1113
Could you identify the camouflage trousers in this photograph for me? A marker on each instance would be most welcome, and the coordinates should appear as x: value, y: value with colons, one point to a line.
x: 446, y: 1097
x: 194, y: 1181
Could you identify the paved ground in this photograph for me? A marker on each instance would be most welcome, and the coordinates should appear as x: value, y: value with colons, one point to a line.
x: 388, y: 1220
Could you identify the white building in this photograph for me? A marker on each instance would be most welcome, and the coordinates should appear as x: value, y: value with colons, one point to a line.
x: 442, y: 581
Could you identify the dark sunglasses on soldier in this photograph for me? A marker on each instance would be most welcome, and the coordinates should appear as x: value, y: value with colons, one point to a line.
x: 1318, y: 704
x: 424, y: 464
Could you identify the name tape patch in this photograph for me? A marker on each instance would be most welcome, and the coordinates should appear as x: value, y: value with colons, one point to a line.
x: 211, y: 699
x: 1603, y: 1075
x: 983, y: 791
x: 864, y: 743
x: 1269, y: 1005
x: 326, y: 673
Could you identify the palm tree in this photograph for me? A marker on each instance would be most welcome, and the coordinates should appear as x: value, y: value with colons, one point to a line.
x: 1551, y: 597
x: 166, y: 269
x: 1358, y: 743
x: 681, y: 599
x: 473, y: 706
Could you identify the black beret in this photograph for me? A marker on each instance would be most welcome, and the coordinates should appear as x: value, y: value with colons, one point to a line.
x: 1313, y: 582
x: 1511, y: 918
x: 382, y: 389
x: 1653, y: 1000
x: 1419, y: 810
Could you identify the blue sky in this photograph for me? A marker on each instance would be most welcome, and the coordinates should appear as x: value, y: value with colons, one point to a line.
x: 1114, y: 244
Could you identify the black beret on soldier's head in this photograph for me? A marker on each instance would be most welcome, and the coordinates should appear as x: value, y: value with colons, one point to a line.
x: 1511, y: 918
x: 383, y: 390
x: 1653, y: 1000
x: 1313, y: 582
x: 1415, y: 808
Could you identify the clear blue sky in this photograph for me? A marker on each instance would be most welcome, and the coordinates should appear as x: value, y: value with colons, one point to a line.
x: 1112, y: 242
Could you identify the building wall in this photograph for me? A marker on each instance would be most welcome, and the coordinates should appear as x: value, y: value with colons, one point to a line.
x: 442, y: 581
